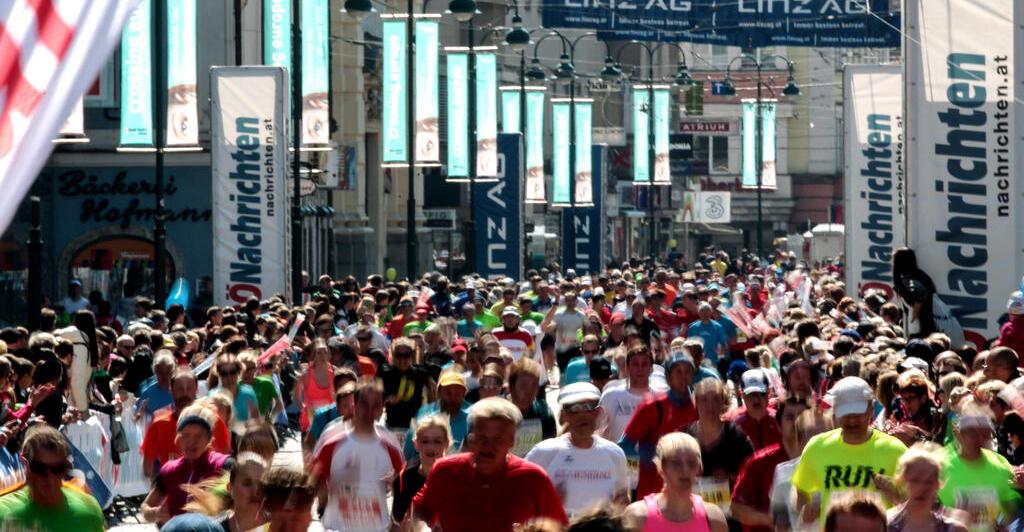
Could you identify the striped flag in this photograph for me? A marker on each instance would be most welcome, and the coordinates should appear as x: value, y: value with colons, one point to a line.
x: 50, y: 52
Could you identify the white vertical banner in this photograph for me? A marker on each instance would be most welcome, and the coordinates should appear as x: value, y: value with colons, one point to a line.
x: 874, y: 214
x: 182, y: 89
x: 486, y: 116
x: 560, y: 144
x: 662, y: 116
x: 535, y: 183
x: 428, y: 121
x: 584, y: 171
x: 962, y: 112
x: 457, y: 68
x: 510, y: 109
x: 250, y: 191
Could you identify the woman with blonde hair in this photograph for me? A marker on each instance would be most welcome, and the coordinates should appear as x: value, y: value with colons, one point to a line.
x: 676, y: 508
x: 918, y: 473
x: 239, y: 507
x: 431, y: 439
x: 314, y: 388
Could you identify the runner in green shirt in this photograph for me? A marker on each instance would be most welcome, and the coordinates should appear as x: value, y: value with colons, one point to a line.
x: 45, y: 501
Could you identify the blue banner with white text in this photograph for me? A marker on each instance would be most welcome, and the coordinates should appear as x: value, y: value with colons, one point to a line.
x: 582, y: 242
x: 746, y: 23
x: 498, y: 207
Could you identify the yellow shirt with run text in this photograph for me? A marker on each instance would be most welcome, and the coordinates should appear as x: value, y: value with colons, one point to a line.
x: 831, y: 466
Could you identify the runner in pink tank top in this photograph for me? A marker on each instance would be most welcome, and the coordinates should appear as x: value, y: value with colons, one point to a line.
x: 314, y: 395
x: 676, y: 508
x: 698, y: 521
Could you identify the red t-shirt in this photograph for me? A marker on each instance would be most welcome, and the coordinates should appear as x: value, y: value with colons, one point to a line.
x: 654, y: 418
x: 668, y: 323
x: 519, y: 342
x: 158, y: 442
x: 460, y: 499
x: 178, y: 473
x: 1011, y: 335
x: 763, y: 432
x: 397, y: 324
x: 367, y: 368
x: 754, y: 484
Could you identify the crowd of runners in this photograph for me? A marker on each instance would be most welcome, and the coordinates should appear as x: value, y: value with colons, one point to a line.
x: 730, y: 394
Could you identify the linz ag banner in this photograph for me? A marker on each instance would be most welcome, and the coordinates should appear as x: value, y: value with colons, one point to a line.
x: 137, y: 78
x: 182, y: 99
x: 875, y: 216
x: 250, y: 215
x: 963, y: 210
x: 499, y: 234
x: 747, y: 23
x: 582, y: 248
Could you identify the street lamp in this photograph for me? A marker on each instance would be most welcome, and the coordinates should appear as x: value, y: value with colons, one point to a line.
x: 463, y: 10
x: 358, y: 9
x: 791, y: 89
x: 681, y: 79
x: 517, y: 38
x: 566, y: 70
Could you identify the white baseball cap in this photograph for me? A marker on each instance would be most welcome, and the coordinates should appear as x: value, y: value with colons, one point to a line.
x: 851, y: 395
x: 578, y: 392
x: 754, y: 381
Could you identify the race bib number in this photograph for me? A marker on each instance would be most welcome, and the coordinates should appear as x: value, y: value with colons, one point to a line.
x: 528, y: 434
x: 714, y: 491
x: 981, y: 503
x: 362, y: 508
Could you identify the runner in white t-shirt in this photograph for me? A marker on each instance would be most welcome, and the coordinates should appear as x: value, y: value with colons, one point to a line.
x: 587, y: 470
x: 357, y: 467
x: 618, y: 402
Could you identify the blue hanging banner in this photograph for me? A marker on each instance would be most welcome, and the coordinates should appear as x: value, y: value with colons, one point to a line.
x: 497, y: 206
x: 747, y: 23
x: 587, y: 237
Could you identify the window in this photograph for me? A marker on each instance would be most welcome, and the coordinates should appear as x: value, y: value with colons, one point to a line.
x: 710, y: 155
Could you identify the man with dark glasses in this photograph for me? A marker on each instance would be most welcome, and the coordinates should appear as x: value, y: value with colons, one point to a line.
x: 46, y: 501
x: 586, y: 469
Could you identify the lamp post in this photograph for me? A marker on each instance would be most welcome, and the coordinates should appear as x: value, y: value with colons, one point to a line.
x: 682, y: 79
x: 791, y: 89
x: 518, y: 40
x: 566, y: 70
x: 159, y: 135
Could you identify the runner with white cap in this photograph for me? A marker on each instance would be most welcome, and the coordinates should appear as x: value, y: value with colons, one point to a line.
x: 848, y: 458
x: 512, y: 336
x: 755, y: 417
x: 586, y: 469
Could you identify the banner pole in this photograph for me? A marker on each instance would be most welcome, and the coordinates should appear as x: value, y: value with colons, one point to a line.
x: 159, y: 51
x: 296, y: 153
x: 410, y: 105
x: 759, y: 165
x: 471, y: 265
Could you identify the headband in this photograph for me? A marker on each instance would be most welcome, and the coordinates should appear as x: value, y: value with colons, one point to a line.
x: 194, y: 419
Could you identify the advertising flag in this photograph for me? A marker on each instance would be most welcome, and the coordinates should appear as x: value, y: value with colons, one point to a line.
x: 767, y: 162
x: 535, y: 182
x: 137, y: 77
x: 486, y: 116
x: 182, y: 100
x: 428, y: 121
x: 277, y: 33
x: 875, y: 185
x: 560, y: 153
x: 584, y: 193
x: 641, y: 109
x: 963, y: 70
x: 510, y: 109
x: 583, y: 228
x: 458, y: 116
x: 316, y: 71
x: 46, y: 68
x: 662, y: 116
x: 394, y: 86
x: 499, y: 239
x: 249, y: 157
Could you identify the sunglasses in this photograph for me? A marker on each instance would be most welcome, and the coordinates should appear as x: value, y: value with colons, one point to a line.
x: 403, y: 354
x: 591, y: 351
x: 39, y: 468
x: 576, y: 408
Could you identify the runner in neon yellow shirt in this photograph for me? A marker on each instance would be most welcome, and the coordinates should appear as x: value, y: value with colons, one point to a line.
x: 847, y: 458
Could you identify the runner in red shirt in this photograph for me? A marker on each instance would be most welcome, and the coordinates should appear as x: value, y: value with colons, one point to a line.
x: 487, y: 484
x: 755, y: 418
x: 407, y: 315
x: 668, y: 323
x: 751, y: 495
x: 658, y: 416
x: 517, y: 340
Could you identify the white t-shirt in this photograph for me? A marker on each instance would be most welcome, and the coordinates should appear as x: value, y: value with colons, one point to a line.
x: 619, y: 404
x: 583, y: 477
x: 360, y: 473
x: 566, y: 325
x: 72, y: 306
x: 782, y: 509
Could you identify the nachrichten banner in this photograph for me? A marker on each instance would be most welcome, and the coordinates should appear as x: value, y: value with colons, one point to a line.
x: 962, y: 116
x: 875, y: 218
